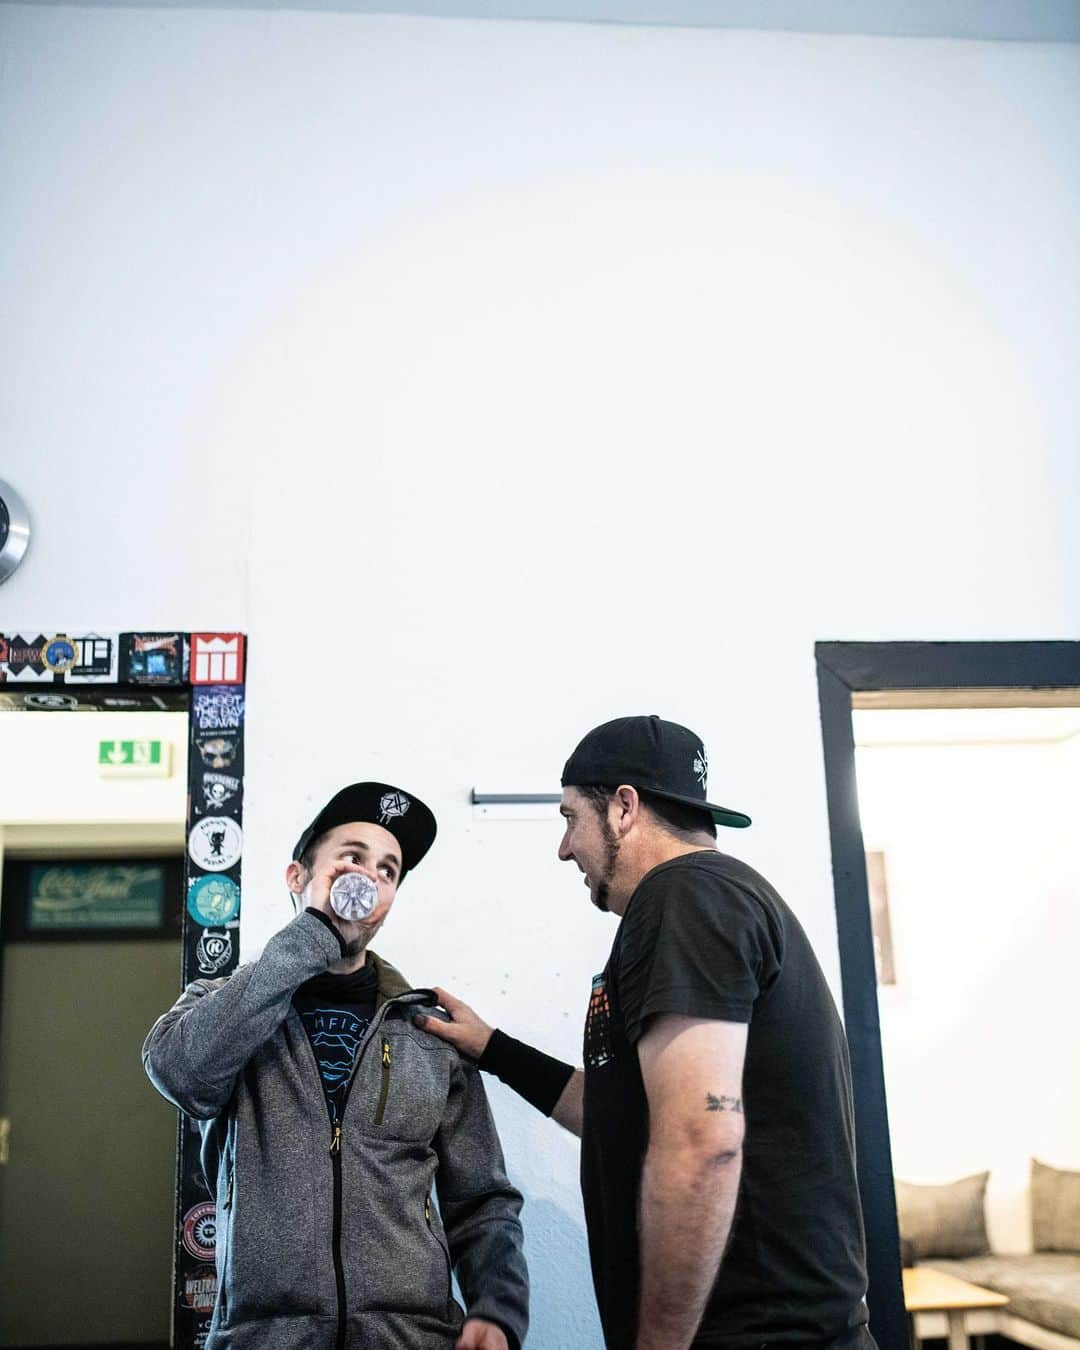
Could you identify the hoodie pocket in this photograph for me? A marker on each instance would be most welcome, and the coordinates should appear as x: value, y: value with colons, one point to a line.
x: 435, y: 1228
x: 402, y: 1087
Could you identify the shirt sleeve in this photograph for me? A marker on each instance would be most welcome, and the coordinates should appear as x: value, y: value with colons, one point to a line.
x: 696, y: 944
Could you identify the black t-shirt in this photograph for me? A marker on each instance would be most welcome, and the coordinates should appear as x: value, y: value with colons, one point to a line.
x: 704, y: 935
x: 336, y: 1010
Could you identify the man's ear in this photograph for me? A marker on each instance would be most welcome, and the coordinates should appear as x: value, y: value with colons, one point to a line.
x: 296, y: 878
x: 628, y: 804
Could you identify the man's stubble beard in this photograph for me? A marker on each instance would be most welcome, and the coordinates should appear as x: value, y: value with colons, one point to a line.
x: 602, y: 893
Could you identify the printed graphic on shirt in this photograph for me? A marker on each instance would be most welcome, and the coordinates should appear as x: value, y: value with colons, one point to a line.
x: 335, y: 1035
x: 598, y: 1026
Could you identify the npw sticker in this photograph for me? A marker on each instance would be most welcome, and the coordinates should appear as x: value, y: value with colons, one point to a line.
x: 199, y: 1230
x: 213, y: 901
x: 214, y: 952
x: 215, y: 843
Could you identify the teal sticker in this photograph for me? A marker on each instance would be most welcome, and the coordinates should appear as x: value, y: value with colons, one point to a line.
x: 213, y: 901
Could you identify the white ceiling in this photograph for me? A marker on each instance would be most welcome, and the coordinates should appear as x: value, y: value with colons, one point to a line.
x: 1001, y: 20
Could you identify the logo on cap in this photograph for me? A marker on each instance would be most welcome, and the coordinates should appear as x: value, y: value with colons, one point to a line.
x: 393, y: 804
x: 701, y: 767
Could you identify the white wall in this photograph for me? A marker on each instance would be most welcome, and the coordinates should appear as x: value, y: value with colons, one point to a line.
x: 49, y: 772
x: 982, y: 1029
x: 500, y: 379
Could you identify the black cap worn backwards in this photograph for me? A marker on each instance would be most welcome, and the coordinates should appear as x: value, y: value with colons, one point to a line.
x: 406, y: 817
x: 651, y: 755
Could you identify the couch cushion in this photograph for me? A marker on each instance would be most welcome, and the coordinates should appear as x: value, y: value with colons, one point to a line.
x: 945, y: 1220
x: 1055, y: 1209
x: 1043, y: 1288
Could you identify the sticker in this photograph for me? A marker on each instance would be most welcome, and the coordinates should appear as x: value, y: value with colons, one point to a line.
x: 218, y: 710
x: 598, y: 1026
x: 152, y: 658
x: 96, y: 660
x: 215, y: 843
x: 218, y: 789
x: 214, y: 952
x: 60, y: 655
x: 25, y: 658
x: 213, y: 901
x: 51, y: 702
x: 217, y: 658
x: 393, y: 804
x: 199, y: 1230
x: 217, y: 752
x: 198, y: 1289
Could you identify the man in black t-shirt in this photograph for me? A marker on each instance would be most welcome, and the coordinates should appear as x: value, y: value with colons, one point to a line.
x: 714, y: 1108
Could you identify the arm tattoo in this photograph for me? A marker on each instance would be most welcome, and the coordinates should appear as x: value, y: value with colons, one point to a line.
x: 723, y: 1103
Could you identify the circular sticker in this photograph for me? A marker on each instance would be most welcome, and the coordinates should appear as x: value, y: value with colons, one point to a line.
x: 213, y: 901
x: 198, y: 1289
x: 199, y: 1232
x: 215, y: 843
x: 51, y: 702
x: 59, y: 655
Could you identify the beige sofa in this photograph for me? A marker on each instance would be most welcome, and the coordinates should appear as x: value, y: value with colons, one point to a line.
x: 945, y: 1227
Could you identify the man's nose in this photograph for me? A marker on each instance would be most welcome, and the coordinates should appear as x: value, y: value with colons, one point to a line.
x: 564, y: 851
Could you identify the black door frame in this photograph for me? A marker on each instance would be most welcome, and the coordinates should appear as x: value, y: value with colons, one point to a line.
x: 845, y: 668
x: 202, y: 675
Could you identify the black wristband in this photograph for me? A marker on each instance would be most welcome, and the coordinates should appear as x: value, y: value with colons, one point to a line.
x: 537, y: 1077
x: 324, y: 918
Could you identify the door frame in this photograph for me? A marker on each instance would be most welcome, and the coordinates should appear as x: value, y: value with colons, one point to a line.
x: 938, y: 670
x: 203, y: 674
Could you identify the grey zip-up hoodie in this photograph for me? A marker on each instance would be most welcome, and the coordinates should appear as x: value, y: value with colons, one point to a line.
x: 328, y: 1241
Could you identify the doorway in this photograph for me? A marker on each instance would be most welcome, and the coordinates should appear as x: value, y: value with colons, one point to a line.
x: 91, y: 900
x: 859, y: 676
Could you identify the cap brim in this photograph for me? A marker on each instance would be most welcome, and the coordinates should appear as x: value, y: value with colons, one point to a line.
x: 722, y: 815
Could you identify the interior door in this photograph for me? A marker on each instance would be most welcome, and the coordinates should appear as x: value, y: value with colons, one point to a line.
x: 87, y: 1191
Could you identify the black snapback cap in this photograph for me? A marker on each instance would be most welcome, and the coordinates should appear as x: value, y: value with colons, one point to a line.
x: 406, y: 817
x: 651, y: 755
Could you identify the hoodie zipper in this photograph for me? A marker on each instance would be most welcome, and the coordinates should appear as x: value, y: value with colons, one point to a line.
x: 335, y: 1160
x: 442, y: 1249
x: 384, y: 1086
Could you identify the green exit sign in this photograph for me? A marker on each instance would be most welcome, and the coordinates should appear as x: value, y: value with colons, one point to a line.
x: 134, y: 759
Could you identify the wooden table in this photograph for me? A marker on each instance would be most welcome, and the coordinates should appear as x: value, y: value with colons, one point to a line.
x: 927, y: 1290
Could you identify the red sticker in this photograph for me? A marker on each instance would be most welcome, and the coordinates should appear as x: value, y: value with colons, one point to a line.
x: 217, y: 658
x: 199, y: 1231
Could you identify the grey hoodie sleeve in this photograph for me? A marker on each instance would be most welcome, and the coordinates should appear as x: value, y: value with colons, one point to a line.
x: 195, y: 1051
x: 480, y: 1208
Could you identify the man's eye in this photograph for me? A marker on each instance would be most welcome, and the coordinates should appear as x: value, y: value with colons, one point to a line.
x: 388, y: 873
